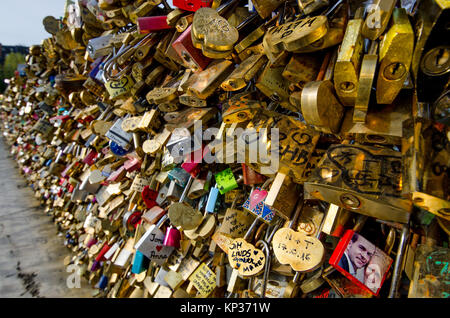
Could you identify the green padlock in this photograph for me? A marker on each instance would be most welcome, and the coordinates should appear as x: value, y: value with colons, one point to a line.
x: 225, y: 181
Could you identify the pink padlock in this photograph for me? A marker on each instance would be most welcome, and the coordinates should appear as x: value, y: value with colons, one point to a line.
x: 132, y: 164
x: 116, y: 176
x: 153, y: 215
x: 172, y: 237
x: 193, y: 160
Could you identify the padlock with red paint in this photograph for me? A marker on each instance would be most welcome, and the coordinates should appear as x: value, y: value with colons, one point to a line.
x: 149, y: 197
x: 132, y: 164
x: 251, y: 177
x: 192, y: 5
x: 191, y: 56
x: 172, y: 237
x: 193, y: 160
x: 152, y: 24
x: 90, y: 157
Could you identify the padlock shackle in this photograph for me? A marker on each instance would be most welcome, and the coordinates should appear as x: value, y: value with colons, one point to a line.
x: 277, y: 226
x: 266, y: 249
x: 251, y: 229
x: 332, y: 9
x: 396, y: 274
x: 186, y: 188
x: 298, y: 210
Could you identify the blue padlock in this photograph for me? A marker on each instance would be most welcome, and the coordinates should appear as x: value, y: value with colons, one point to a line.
x: 103, y: 282
x: 212, y: 199
x: 117, y: 150
x: 140, y: 263
x: 179, y: 176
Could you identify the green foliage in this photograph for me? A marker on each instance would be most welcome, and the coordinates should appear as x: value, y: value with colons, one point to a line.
x: 11, y: 62
x: 9, y: 67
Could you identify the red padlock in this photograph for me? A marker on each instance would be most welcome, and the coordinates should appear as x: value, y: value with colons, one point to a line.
x: 71, y: 188
x: 191, y: 56
x: 149, y: 197
x: 103, y: 251
x: 90, y: 157
x: 193, y: 160
x: 192, y: 5
x: 151, y: 24
x: 251, y: 177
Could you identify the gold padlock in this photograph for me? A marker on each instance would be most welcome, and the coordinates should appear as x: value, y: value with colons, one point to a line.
x: 378, y: 16
x: 348, y: 62
x: 366, y: 76
x: 361, y: 179
x: 425, y: 151
x: 244, y: 73
x: 396, y: 50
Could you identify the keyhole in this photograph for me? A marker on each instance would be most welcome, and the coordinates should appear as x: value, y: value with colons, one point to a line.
x: 394, y: 71
x: 347, y: 86
x: 440, y: 58
x: 396, y: 67
x: 436, y: 61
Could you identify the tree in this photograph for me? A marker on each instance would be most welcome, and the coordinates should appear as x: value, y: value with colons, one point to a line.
x: 9, y: 67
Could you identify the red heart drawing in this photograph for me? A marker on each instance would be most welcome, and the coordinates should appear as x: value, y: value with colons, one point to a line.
x: 159, y: 247
x: 257, y: 196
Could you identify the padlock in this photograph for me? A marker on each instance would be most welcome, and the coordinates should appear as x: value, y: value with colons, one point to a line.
x: 212, y: 199
x: 429, y: 272
x: 301, y: 252
x: 338, y: 19
x: 142, y: 10
x: 429, y: 63
x: 239, y: 108
x: 272, y: 84
x: 293, y: 36
x: 426, y: 146
x: 151, y: 245
x: 378, y: 15
x: 152, y: 24
x: 396, y: 50
x: 367, y: 181
x: 348, y: 62
x: 200, y: 186
x: 320, y: 107
x: 209, y: 79
x: 172, y: 237
x: 182, y: 214
x: 225, y: 181
x: 361, y: 261
x: 179, y: 175
x: 211, y: 32
x: 191, y: 5
x: 366, y: 76
x: 245, y: 72
x: 191, y: 56
x: 302, y: 68
x: 308, y: 7
x: 251, y: 177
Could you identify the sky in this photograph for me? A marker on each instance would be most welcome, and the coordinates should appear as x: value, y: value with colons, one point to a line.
x: 21, y: 20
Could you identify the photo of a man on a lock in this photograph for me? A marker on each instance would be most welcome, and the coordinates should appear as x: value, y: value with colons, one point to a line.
x: 364, y: 261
